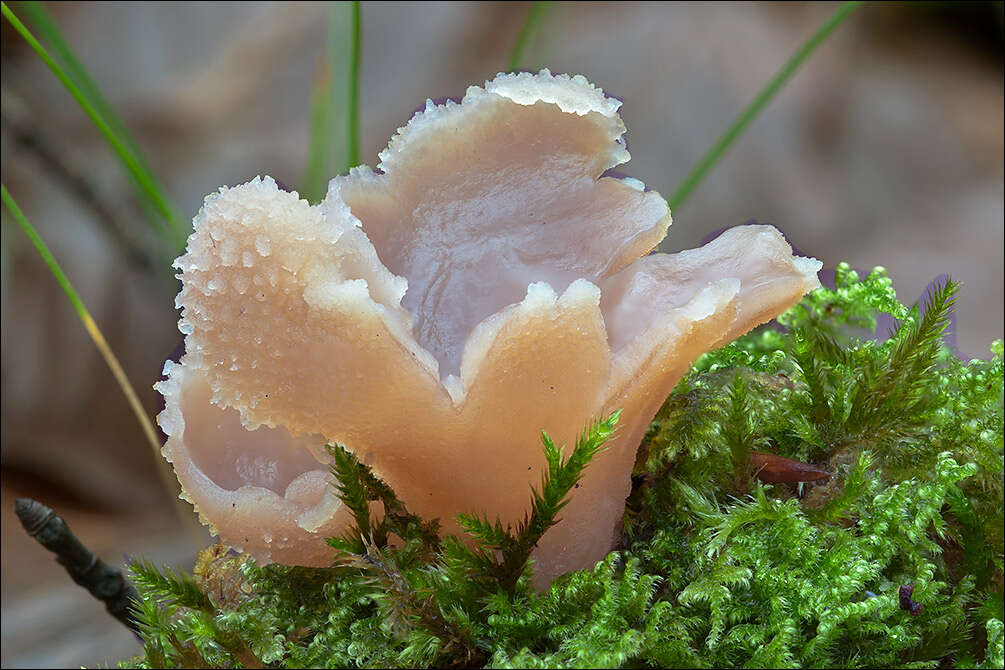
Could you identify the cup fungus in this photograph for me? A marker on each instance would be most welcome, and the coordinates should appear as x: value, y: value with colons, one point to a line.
x: 484, y: 284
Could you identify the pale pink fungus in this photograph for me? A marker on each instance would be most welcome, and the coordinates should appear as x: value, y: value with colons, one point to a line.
x: 437, y: 316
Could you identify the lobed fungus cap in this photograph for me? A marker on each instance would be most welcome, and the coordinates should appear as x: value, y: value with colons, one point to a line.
x: 484, y: 284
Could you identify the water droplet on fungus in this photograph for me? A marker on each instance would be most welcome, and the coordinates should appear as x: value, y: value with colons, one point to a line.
x: 263, y: 246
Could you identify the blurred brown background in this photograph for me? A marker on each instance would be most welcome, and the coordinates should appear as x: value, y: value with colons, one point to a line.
x: 886, y: 148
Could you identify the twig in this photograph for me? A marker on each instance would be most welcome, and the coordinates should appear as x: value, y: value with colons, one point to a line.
x: 100, y: 579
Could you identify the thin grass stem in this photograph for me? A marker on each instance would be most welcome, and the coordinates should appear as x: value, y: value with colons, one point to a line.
x: 757, y: 105
x: 531, y: 24
x: 332, y: 104
x: 352, y: 94
x: 49, y: 31
x: 123, y: 147
x: 47, y: 28
x: 312, y: 186
x: 96, y: 336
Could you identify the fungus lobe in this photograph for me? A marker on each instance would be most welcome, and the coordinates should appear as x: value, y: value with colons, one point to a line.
x: 485, y: 283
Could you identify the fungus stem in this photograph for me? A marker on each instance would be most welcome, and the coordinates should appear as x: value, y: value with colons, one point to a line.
x: 92, y: 329
x: 85, y: 92
x: 750, y: 113
x: 535, y: 17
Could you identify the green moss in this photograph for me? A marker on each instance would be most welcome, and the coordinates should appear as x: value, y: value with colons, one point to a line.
x: 716, y: 568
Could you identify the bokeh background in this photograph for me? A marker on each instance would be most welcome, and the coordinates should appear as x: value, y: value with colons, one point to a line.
x: 886, y: 148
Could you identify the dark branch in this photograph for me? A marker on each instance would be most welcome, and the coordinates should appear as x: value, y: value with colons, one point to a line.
x: 100, y: 579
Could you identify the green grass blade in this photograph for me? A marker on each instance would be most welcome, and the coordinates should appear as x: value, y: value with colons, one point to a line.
x: 312, y: 186
x: 62, y: 53
x: 352, y: 94
x: 334, y: 103
x: 92, y: 328
x: 121, y: 144
x: 750, y: 113
x: 535, y: 17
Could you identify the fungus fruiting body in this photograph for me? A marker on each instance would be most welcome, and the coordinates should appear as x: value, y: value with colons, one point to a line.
x: 485, y: 283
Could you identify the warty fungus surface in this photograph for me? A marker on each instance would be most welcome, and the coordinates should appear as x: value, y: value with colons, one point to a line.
x: 485, y: 283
